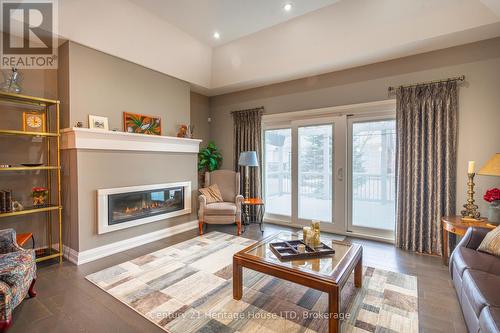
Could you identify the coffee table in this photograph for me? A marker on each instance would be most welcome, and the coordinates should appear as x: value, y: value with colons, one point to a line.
x: 327, y: 274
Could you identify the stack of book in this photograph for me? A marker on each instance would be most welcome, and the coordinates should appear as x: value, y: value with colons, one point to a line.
x: 5, y: 201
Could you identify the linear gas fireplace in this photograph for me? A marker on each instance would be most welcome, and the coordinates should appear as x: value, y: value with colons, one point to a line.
x: 125, y: 207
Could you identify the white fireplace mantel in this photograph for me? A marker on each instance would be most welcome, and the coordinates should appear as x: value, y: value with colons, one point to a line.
x: 86, y: 138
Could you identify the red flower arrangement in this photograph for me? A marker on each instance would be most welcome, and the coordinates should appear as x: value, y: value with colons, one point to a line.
x: 493, y: 194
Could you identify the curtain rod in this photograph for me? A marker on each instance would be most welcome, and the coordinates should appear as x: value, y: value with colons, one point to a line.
x: 245, y: 110
x: 456, y: 78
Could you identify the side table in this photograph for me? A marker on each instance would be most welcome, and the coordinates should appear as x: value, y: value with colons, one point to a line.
x: 256, y: 204
x: 455, y: 225
x: 21, y: 239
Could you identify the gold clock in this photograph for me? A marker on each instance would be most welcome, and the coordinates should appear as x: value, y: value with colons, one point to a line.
x: 34, y: 121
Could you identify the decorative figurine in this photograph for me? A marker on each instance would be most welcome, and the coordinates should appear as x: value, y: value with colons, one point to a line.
x: 315, y: 226
x: 16, y: 206
x: 186, y: 131
x: 11, y: 83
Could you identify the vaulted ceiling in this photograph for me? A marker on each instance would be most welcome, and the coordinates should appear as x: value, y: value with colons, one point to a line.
x: 261, y: 43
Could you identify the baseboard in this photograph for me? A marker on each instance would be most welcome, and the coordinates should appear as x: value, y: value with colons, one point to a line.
x: 79, y: 258
x: 343, y: 233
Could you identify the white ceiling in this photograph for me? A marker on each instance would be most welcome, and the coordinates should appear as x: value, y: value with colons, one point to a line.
x: 261, y: 44
x: 233, y: 19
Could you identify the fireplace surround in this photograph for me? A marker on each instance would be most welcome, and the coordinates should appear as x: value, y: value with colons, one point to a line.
x: 125, y: 207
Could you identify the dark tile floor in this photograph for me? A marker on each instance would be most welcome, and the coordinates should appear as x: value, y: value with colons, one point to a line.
x: 66, y: 302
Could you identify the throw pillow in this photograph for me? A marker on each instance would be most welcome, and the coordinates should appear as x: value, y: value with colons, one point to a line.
x: 491, y: 243
x: 212, y: 193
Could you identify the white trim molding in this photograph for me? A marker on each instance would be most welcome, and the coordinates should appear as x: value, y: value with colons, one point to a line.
x: 102, y: 205
x: 277, y: 120
x: 86, y: 138
x: 79, y: 258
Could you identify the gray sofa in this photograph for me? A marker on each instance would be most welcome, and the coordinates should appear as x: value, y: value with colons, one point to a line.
x: 476, y: 277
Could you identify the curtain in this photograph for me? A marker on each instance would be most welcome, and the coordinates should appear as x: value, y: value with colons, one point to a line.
x: 247, y: 137
x: 426, y: 122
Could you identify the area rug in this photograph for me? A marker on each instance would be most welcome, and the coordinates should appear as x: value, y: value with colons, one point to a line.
x: 187, y: 288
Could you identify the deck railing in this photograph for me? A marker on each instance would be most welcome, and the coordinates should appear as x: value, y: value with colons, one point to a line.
x: 365, y: 187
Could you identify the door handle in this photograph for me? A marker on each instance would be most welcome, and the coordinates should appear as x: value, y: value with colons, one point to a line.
x: 340, y: 173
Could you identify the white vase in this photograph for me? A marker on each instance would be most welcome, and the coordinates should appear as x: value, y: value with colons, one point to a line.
x: 494, y: 212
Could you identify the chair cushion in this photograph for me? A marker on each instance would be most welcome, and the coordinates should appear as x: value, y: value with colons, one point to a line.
x: 489, y: 321
x: 220, y: 208
x: 481, y: 289
x: 17, y: 270
x: 226, y: 179
x: 212, y: 193
x: 491, y: 242
x: 464, y: 258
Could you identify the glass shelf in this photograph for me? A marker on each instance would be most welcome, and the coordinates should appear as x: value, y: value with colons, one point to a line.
x: 15, y: 132
x: 31, y: 210
x: 29, y: 100
x: 46, y: 254
x: 24, y: 168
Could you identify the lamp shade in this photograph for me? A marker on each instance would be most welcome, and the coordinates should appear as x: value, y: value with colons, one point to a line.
x: 248, y: 158
x: 492, y: 167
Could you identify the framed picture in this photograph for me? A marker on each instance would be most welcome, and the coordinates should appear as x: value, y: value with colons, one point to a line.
x: 139, y: 123
x: 34, y: 121
x: 98, y: 122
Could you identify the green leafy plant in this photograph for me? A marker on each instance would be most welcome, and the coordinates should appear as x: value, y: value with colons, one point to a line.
x: 209, y: 158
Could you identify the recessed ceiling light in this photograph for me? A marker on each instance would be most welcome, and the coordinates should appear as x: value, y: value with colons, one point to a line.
x: 288, y: 7
x: 216, y: 35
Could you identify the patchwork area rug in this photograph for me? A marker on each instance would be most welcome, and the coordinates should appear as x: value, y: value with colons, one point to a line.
x: 187, y: 288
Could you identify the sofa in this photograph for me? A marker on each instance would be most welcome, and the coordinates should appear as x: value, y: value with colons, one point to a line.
x: 476, y: 277
x: 17, y: 276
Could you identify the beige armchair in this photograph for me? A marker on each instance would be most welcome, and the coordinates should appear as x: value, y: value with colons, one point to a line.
x: 227, y: 212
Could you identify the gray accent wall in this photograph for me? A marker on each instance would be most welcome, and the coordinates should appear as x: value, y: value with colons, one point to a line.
x: 110, y: 169
x: 479, y: 108
x: 92, y: 82
x: 104, y: 85
x: 200, y: 112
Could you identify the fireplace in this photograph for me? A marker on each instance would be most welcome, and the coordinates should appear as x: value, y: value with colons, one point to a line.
x: 125, y: 207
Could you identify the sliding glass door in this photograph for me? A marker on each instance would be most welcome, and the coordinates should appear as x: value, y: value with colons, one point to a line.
x: 339, y: 170
x: 372, y: 186
x: 302, y: 175
x: 278, y: 172
x: 315, y: 153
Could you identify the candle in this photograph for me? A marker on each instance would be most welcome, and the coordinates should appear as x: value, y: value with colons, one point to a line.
x: 470, y: 168
x: 305, y: 231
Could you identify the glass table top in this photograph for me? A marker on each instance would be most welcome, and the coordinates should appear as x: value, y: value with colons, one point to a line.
x: 320, y: 265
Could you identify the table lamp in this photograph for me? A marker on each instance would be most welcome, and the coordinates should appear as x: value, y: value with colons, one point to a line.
x: 492, y: 167
x: 248, y: 159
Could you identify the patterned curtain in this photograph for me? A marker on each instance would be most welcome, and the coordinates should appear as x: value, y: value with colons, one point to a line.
x: 247, y: 137
x: 426, y: 118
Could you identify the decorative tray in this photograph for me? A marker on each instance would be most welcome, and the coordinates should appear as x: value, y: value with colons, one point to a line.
x: 287, y: 250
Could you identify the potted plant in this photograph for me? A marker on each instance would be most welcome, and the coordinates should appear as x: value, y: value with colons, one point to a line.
x: 39, y: 195
x: 209, y: 159
x: 493, y: 197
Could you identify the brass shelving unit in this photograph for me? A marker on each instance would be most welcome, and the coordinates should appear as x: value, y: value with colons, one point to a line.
x: 49, y: 107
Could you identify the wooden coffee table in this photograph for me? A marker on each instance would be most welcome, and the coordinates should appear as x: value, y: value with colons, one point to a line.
x: 327, y: 274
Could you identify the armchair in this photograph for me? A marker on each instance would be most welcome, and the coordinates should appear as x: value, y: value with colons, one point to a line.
x: 227, y: 212
x: 17, y: 276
